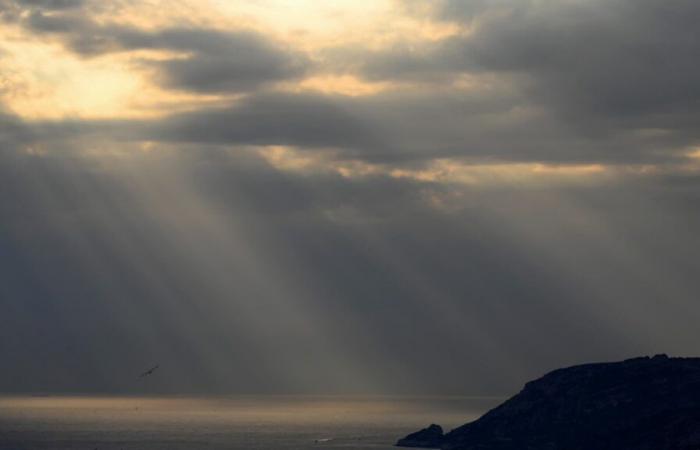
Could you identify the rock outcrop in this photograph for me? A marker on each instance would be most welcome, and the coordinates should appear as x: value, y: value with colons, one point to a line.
x: 637, y: 404
x: 430, y: 437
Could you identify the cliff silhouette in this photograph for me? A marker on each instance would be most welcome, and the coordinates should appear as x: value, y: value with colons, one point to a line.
x: 637, y: 404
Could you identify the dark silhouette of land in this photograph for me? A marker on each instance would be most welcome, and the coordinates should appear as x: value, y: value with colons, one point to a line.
x: 637, y: 404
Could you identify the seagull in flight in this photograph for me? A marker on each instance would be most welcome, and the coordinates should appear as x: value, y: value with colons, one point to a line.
x: 149, y: 371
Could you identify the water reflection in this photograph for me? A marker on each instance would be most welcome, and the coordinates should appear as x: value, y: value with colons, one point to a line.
x: 288, y: 422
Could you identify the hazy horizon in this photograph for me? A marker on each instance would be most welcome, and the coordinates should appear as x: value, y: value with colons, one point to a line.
x: 398, y: 197
x: 220, y: 423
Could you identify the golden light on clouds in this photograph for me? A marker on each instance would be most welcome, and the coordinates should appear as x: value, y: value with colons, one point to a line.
x: 694, y: 153
x: 304, y: 48
x: 454, y: 171
x: 314, y: 24
x: 444, y: 171
x: 338, y: 84
x: 42, y: 79
x: 153, y: 14
x: 305, y: 15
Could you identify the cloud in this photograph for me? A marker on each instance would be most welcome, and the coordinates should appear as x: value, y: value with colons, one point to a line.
x: 12, y: 11
x: 211, y: 60
x: 273, y: 118
x: 12, y: 131
x: 401, y: 127
x: 621, y: 58
x: 241, y: 239
x: 607, y: 80
x: 572, y: 82
x: 207, y: 258
x: 624, y: 58
x: 50, y: 4
x: 221, y: 62
x: 210, y: 260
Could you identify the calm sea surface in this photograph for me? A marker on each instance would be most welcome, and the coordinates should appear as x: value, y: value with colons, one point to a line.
x: 130, y: 423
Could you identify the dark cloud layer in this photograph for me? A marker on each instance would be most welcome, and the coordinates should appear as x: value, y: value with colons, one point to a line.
x: 419, y: 127
x: 50, y: 4
x: 274, y: 119
x: 610, y: 58
x: 605, y: 69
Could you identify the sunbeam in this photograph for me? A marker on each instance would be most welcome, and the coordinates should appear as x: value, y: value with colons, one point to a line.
x: 317, y: 210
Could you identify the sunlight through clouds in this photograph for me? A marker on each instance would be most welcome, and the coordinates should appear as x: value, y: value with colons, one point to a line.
x: 274, y: 196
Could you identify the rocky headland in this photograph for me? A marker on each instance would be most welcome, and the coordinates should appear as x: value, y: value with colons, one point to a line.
x: 637, y: 404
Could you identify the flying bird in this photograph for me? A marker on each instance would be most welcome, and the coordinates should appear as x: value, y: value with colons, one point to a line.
x: 149, y: 371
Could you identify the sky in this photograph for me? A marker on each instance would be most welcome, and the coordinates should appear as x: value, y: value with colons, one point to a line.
x: 347, y: 197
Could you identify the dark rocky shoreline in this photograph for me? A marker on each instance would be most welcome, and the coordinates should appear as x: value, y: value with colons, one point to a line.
x: 637, y: 404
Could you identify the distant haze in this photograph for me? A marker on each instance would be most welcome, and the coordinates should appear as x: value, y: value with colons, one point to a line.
x: 385, y: 197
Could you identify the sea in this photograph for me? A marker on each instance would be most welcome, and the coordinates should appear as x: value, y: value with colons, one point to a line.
x: 213, y: 423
